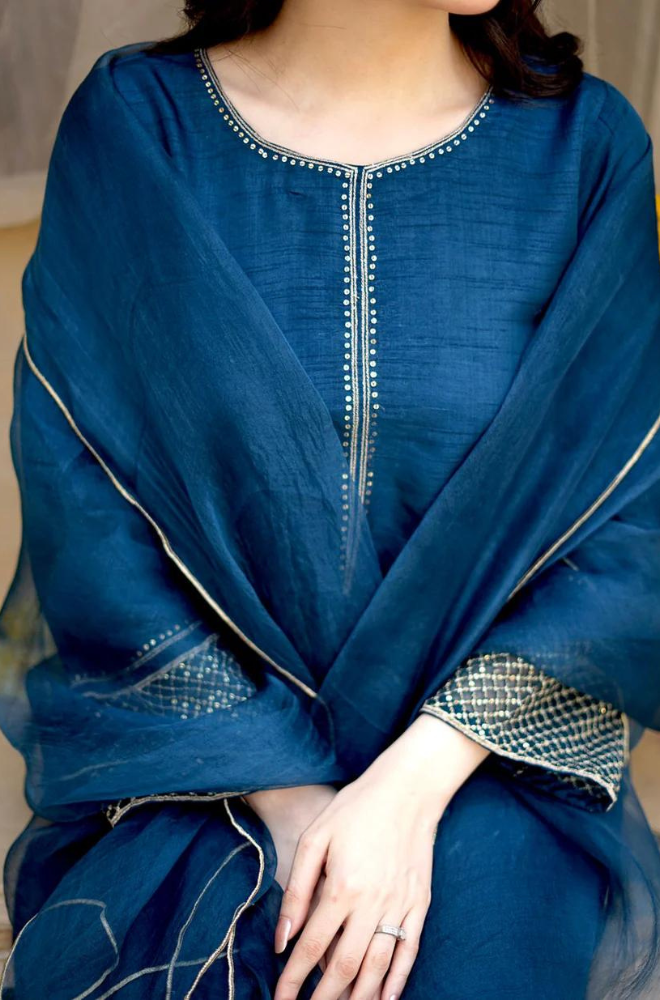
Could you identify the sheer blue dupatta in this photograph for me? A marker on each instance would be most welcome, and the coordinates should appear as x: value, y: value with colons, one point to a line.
x: 133, y: 687
x: 165, y: 374
x: 177, y: 392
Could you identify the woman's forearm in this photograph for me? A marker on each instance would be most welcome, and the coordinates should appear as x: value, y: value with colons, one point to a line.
x: 432, y: 759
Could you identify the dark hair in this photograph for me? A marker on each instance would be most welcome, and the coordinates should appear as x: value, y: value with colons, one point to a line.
x: 509, y: 45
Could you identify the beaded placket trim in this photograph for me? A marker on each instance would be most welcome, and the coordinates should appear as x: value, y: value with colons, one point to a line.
x: 519, y: 712
x: 359, y: 337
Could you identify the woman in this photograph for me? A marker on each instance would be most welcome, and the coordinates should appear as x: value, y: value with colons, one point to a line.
x: 336, y: 613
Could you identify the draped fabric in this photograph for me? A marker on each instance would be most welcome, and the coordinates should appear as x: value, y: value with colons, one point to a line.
x: 185, y: 500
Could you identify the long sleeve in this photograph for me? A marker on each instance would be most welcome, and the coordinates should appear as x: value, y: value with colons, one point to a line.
x: 589, y: 622
x: 540, y: 729
x: 209, y: 679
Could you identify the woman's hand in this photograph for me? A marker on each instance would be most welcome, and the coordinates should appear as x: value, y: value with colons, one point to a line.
x: 373, y: 843
x: 287, y: 812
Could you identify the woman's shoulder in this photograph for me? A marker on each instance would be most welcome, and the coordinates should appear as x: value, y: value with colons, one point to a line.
x: 593, y: 133
x: 607, y: 111
x: 151, y: 83
x: 136, y: 69
x: 136, y: 93
x: 594, y: 111
x: 615, y: 143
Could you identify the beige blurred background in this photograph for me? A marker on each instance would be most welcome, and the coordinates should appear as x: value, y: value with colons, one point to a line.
x: 46, y: 48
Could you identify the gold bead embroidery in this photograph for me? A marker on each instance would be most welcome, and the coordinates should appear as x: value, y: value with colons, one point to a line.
x: 266, y: 149
x: 522, y: 713
x: 207, y: 680
x: 359, y: 334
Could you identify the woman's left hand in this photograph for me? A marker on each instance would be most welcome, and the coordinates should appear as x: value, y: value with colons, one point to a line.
x: 372, y: 846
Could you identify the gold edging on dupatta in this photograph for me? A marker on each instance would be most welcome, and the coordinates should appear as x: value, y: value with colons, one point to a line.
x: 621, y: 474
x: 228, y: 939
x: 163, y: 538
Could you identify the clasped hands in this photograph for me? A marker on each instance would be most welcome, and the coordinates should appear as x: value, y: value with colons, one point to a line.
x: 352, y: 859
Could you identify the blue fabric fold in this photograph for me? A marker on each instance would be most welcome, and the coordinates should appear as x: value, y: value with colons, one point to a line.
x: 172, y: 493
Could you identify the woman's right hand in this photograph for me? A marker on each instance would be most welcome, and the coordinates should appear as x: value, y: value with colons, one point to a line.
x: 287, y: 812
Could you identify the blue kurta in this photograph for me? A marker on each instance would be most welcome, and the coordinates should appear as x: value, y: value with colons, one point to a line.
x: 408, y: 290
x: 408, y: 309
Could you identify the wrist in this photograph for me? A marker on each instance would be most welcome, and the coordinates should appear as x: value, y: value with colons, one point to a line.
x: 433, y: 759
x: 294, y: 803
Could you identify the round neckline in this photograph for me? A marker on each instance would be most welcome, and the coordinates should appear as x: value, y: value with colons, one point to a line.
x: 250, y: 136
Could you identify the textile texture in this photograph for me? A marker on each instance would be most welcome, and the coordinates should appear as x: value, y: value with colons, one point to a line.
x: 295, y: 440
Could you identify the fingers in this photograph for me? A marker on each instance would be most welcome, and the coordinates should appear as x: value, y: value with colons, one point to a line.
x: 325, y: 961
x: 316, y: 898
x: 405, y: 954
x: 348, y: 957
x: 352, y: 955
x: 306, y: 869
x: 330, y: 952
x: 375, y: 964
x: 309, y: 949
x: 327, y: 958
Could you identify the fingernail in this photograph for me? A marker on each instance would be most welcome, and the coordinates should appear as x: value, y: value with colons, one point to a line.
x: 282, y: 932
x: 393, y: 997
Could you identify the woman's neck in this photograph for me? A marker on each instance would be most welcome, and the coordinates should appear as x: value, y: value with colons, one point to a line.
x: 351, y: 79
x: 370, y: 53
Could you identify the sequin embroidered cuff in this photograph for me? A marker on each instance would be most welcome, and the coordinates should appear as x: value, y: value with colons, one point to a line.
x: 205, y: 679
x: 541, y: 730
